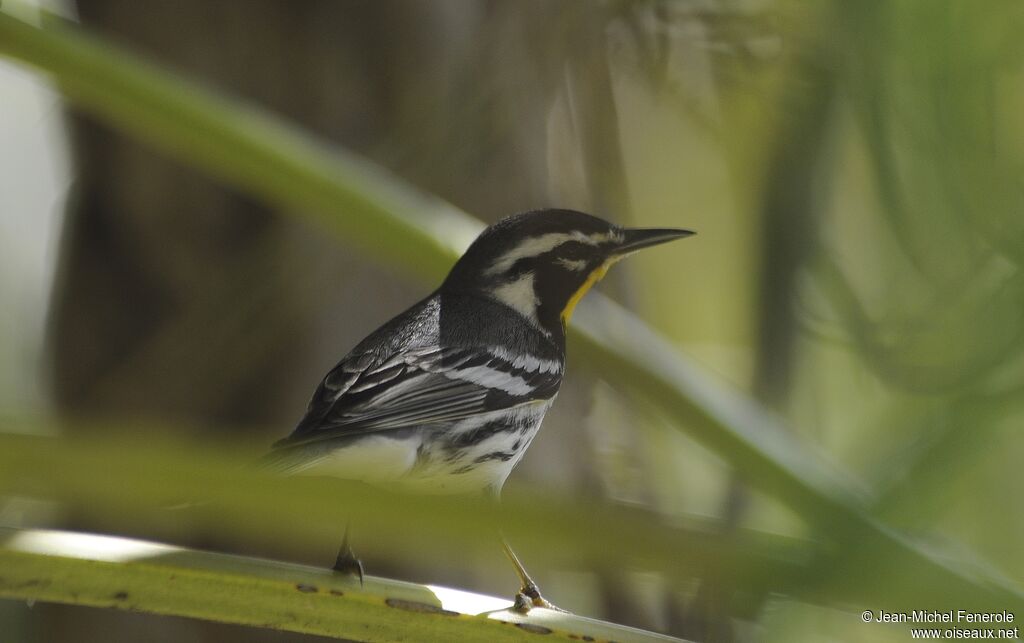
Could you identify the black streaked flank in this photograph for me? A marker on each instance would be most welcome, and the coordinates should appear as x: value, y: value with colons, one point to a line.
x: 504, y: 456
x: 475, y: 436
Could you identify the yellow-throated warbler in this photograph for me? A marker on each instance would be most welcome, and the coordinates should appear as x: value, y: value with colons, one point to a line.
x: 447, y: 396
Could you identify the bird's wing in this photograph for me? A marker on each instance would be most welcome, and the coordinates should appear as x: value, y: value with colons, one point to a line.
x: 368, y: 393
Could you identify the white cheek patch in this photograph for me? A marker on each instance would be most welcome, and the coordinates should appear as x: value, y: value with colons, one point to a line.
x: 520, y: 296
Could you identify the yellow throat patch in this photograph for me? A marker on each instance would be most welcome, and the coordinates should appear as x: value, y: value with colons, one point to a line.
x: 595, y: 276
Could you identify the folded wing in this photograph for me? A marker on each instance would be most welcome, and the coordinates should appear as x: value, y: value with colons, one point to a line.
x: 366, y: 393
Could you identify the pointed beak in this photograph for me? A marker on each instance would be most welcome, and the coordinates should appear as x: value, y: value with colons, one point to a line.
x: 636, y: 238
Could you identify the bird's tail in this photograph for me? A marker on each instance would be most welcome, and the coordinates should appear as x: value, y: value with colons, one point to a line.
x: 284, y: 459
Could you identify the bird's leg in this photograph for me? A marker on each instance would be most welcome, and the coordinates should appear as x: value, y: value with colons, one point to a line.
x: 347, y: 563
x: 529, y: 594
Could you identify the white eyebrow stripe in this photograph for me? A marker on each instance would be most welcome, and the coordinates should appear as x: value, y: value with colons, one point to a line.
x: 539, y: 245
x: 597, y: 238
x: 531, y: 248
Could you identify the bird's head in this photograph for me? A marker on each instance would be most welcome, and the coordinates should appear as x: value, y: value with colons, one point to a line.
x: 541, y: 263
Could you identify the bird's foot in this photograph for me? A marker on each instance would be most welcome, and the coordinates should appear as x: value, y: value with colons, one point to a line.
x: 529, y: 597
x: 347, y: 563
x: 350, y: 566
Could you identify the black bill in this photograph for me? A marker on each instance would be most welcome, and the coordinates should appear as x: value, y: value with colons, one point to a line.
x: 637, y: 238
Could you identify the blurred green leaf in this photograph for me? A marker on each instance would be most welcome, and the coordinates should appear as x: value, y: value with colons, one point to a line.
x: 128, y: 484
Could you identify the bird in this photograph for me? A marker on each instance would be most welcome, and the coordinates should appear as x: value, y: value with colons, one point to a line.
x: 447, y: 396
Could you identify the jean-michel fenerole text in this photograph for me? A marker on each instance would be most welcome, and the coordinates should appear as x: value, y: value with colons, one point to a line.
x: 951, y: 616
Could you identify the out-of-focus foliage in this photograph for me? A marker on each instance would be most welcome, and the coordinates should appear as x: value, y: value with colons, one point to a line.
x: 932, y: 90
x: 853, y: 169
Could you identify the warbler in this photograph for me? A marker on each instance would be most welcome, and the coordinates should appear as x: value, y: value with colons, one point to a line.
x: 447, y: 396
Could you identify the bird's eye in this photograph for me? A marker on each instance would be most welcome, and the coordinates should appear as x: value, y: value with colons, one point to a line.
x: 572, y: 250
x: 521, y: 266
x: 572, y: 256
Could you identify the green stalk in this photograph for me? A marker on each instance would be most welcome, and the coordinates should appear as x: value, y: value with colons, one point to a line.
x: 119, y: 573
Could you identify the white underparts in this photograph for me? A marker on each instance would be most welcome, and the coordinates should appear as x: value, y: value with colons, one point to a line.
x: 375, y: 459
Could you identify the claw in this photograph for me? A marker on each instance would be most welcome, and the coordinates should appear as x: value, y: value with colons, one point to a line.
x: 529, y: 594
x: 529, y: 598
x: 346, y: 562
